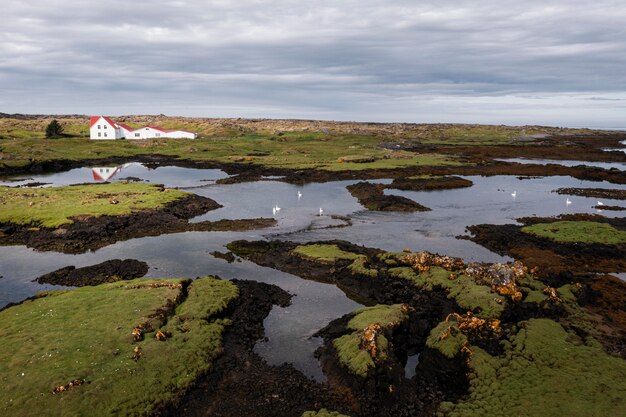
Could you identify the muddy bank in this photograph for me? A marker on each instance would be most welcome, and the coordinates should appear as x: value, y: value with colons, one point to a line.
x: 108, y: 271
x: 429, y: 183
x: 594, y: 192
x: 241, y: 383
x: 372, y: 197
x: 550, y: 256
x: 91, y: 233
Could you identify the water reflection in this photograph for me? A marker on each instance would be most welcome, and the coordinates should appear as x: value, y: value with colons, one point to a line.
x: 169, y: 176
x: 289, y: 330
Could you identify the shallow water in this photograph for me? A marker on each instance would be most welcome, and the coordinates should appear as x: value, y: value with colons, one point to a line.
x: 568, y: 163
x: 289, y: 330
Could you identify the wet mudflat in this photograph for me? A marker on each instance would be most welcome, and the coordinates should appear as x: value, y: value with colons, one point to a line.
x: 290, y: 331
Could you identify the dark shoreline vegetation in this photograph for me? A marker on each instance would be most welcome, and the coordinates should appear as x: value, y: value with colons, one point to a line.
x: 543, y: 336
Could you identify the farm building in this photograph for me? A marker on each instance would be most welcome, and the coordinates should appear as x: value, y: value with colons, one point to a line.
x: 103, y: 128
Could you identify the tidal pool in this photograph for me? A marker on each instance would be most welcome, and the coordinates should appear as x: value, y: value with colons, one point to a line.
x: 289, y: 330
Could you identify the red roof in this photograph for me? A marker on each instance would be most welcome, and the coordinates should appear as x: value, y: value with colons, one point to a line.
x: 94, y: 119
x: 125, y: 126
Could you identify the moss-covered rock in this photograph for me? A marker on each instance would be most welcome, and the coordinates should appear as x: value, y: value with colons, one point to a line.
x: 544, y: 372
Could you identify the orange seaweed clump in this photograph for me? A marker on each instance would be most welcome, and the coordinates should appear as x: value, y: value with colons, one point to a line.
x: 369, y: 342
x: 502, y: 278
x: 69, y: 385
x: 472, y: 325
x: 423, y: 261
x: 552, y: 294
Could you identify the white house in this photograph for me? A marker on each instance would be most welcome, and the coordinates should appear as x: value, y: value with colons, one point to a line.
x: 101, y: 128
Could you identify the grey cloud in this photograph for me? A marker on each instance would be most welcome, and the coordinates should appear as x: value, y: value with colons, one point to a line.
x: 394, y: 60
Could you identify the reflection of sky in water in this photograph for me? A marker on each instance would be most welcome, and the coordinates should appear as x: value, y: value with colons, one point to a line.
x: 289, y: 330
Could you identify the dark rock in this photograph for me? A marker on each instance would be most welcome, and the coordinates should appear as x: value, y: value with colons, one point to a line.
x: 108, y: 271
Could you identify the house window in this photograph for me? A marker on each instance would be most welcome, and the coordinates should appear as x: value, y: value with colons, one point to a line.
x: 157, y: 134
x: 99, y: 134
x: 105, y: 134
x: 136, y: 135
x: 105, y: 126
x: 98, y: 126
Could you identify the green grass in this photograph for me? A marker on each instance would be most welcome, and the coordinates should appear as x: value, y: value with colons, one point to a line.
x: 578, y: 231
x: 323, y: 253
x: 85, y: 333
x: 54, y: 206
x: 468, y: 294
x: 545, y: 372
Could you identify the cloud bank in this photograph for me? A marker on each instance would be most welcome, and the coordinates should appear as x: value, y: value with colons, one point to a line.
x: 549, y: 62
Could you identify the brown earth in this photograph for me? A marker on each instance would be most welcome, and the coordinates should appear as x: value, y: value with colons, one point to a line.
x: 91, y: 233
x: 372, y: 196
x: 108, y: 271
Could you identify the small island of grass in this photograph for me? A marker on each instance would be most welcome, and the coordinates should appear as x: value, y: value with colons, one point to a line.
x: 54, y: 206
x: 578, y: 231
x: 125, y: 348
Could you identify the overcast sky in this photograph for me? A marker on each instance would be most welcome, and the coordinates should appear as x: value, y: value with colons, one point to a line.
x: 515, y: 62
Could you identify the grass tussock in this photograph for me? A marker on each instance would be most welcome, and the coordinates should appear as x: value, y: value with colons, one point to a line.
x: 54, y: 206
x: 85, y: 334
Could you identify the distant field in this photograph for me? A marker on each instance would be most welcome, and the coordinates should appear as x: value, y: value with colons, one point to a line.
x: 295, y: 144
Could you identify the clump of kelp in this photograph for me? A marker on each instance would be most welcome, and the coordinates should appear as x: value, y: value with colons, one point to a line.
x: 493, y: 339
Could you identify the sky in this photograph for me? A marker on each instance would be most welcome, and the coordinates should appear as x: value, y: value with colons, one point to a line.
x: 558, y: 63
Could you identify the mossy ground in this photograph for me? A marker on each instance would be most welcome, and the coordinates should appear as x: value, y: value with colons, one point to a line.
x: 578, y: 231
x: 545, y: 372
x: 385, y: 315
x: 85, y: 334
x: 349, y: 347
x: 54, y: 206
x: 465, y: 291
x: 323, y: 253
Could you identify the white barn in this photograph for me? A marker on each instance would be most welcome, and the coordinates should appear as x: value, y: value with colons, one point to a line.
x: 103, y: 128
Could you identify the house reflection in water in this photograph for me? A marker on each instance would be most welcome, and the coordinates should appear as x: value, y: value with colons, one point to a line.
x: 105, y: 173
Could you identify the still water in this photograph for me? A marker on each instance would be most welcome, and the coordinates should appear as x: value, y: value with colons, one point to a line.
x: 289, y: 330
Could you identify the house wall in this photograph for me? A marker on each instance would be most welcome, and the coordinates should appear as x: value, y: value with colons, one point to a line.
x: 148, y: 133
x: 102, y: 130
